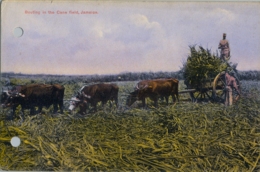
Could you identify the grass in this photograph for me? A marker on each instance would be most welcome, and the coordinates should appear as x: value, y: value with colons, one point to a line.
x: 180, y: 137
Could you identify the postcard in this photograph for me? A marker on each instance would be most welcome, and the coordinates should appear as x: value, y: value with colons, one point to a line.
x: 130, y: 86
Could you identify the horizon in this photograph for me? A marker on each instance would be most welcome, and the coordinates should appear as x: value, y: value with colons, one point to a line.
x: 121, y: 73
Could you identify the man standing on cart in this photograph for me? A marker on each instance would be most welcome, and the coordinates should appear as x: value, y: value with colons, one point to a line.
x: 225, y: 49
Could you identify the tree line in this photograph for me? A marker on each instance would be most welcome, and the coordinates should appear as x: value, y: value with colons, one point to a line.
x: 13, y: 78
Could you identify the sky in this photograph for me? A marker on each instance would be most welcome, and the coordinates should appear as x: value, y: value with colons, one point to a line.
x: 117, y: 37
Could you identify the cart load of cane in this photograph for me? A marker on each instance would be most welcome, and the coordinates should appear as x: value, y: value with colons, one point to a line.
x: 201, y: 66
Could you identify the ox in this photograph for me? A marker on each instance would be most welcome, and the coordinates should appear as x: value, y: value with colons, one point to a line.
x: 92, y: 94
x: 30, y: 96
x: 154, y: 89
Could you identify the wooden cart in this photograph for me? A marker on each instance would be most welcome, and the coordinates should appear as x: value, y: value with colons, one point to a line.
x: 215, y: 90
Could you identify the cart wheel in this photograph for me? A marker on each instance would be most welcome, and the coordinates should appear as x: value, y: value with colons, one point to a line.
x: 220, y: 89
x: 202, y: 94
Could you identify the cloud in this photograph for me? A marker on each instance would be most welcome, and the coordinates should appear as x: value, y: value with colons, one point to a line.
x: 222, y: 16
x: 166, y: 57
x: 101, y: 29
x: 142, y: 21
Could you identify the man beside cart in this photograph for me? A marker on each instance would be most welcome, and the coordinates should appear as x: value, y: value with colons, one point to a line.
x: 230, y: 85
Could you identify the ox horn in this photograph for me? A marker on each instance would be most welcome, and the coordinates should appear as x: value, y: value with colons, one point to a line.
x: 75, y: 99
x: 22, y: 95
x: 85, y: 95
x: 8, y: 93
x: 146, y: 86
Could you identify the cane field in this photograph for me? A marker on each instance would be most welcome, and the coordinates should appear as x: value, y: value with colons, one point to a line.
x: 183, y: 136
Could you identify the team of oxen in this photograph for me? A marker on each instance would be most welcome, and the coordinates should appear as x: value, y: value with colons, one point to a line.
x: 44, y: 95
